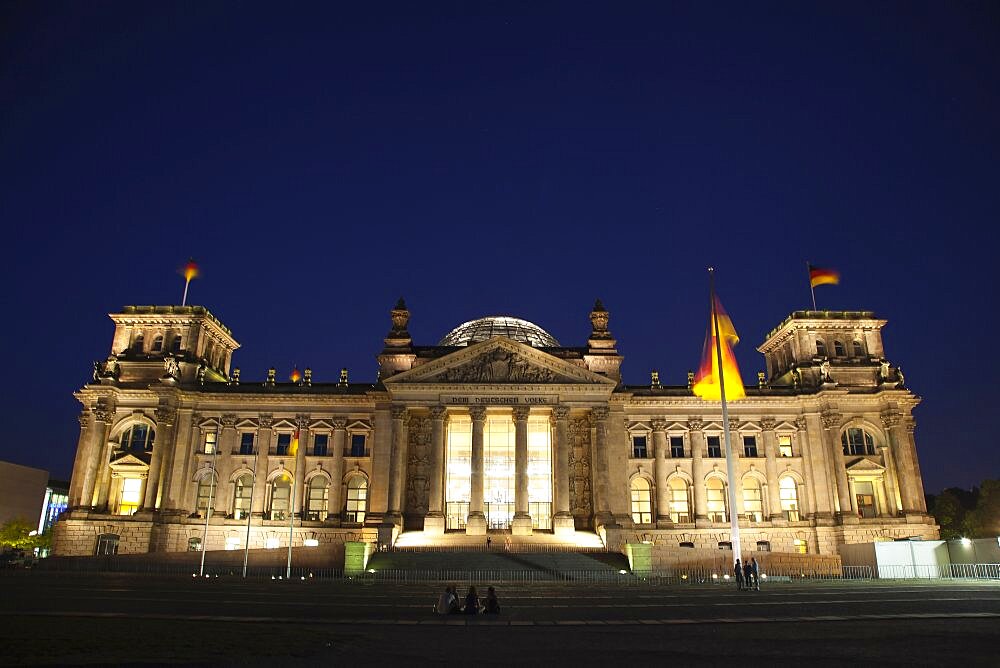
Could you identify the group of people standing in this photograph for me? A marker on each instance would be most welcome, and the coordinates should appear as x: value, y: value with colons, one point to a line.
x: 448, y: 602
x: 747, y: 575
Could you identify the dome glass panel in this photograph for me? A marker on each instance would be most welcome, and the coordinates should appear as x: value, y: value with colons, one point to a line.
x: 484, y: 329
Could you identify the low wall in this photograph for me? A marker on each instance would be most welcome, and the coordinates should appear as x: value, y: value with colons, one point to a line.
x: 676, y: 560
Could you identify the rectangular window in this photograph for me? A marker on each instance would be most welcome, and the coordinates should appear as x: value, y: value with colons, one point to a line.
x: 677, y: 447
x: 130, y: 498
x: 784, y: 445
x: 714, y: 447
x: 763, y: 546
x: 284, y: 442
x: 800, y: 546
x: 458, y: 471
x: 246, y: 443
x: 177, y: 344
x: 750, y: 446
x: 639, y: 447
x: 320, y: 443
x: 210, y: 438
x: 107, y: 545
x: 864, y: 492
x: 358, y: 445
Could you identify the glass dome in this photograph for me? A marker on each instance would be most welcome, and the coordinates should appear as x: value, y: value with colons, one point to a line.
x: 483, y: 329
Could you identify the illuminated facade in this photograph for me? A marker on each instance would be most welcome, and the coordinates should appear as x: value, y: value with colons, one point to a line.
x: 497, y: 428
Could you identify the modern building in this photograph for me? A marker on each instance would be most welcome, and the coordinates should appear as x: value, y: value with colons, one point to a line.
x: 497, y: 427
x: 22, y: 491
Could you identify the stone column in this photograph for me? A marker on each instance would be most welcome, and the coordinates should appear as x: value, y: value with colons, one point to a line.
x: 521, y: 525
x: 737, y: 454
x: 264, y: 435
x: 818, y: 465
x: 562, y: 520
x: 660, y: 470
x: 476, y: 523
x: 695, y: 425
x: 179, y: 459
x: 398, y: 450
x: 80, y: 460
x: 831, y: 426
x: 302, y: 422
x: 223, y: 499
x: 908, y: 428
x: 599, y: 415
x: 161, y: 444
x: 908, y: 476
x: 337, y: 469
x: 767, y: 425
x: 891, y: 507
x: 434, y: 521
x: 95, y: 453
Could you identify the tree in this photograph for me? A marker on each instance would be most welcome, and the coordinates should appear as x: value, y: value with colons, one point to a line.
x: 947, y: 509
x: 984, y: 521
x: 16, y: 534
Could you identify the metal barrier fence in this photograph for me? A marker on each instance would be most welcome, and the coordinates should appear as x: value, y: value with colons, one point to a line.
x: 499, y: 547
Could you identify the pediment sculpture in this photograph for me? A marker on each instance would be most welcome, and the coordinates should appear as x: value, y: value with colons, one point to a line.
x: 499, y: 366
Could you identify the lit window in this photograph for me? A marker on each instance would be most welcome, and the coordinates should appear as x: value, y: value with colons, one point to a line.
x: 856, y: 441
x: 316, y: 499
x: 642, y: 505
x: 209, y: 445
x: 725, y: 545
x: 131, y: 496
x: 194, y: 544
x: 784, y: 445
x: 715, y: 498
x: 357, y: 499
x: 788, y: 495
x: 206, y: 494
x: 800, y: 546
x: 271, y: 543
x: 639, y: 447
x: 137, y: 438
x: 750, y: 446
x: 320, y: 443
x: 107, y: 545
x: 281, y: 494
x: 539, y: 473
x: 358, y: 445
x: 284, y: 442
x: 246, y: 443
x: 458, y: 486
x: 677, y: 447
x: 838, y: 349
x: 763, y: 546
x: 232, y: 542
x: 864, y: 492
x: 753, y: 503
x: 820, y: 348
x: 679, y: 511
x: 714, y: 447
x: 242, y: 495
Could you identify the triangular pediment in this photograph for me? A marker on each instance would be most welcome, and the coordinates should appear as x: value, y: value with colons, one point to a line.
x: 127, y: 461
x: 864, y: 465
x: 500, y: 361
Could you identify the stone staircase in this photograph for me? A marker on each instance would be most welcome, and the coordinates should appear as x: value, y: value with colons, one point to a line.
x: 555, y: 565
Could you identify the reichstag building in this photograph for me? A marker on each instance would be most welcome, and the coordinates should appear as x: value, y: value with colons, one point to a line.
x: 499, y: 428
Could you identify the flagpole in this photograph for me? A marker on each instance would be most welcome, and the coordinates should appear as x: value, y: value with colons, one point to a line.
x: 291, y: 528
x: 184, y: 299
x: 734, y: 521
x: 246, y: 549
x: 208, y: 510
x: 812, y: 290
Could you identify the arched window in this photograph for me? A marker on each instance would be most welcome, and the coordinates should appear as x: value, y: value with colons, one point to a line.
x: 838, y: 349
x: 281, y: 496
x: 859, y: 350
x: 242, y: 496
x: 857, y: 441
x: 788, y: 493
x: 176, y: 346
x: 130, y: 497
x: 206, y: 489
x: 820, y: 348
x: 357, y: 499
x: 642, y: 505
x: 316, y: 498
x: 139, y: 343
x: 715, y: 497
x: 679, y: 510
x: 753, y: 501
x: 137, y: 438
x: 157, y: 343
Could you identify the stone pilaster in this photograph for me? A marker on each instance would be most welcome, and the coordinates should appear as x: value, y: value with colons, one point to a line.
x: 434, y: 521
x: 521, y: 524
x: 476, y: 523
x: 180, y: 457
x: 817, y: 464
x: 396, y: 464
x: 831, y: 427
x: 86, y: 418
x: 302, y: 422
x: 95, y: 453
x: 910, y: 487
x: 767, y: 425
x: 337, y: 470
x: 695, y: 426
x: 892, y: 500
x: 660, y: 470
x: 603, y: 516
x: 164, y: 441
x: 265, y: 434
x: 562, y: 520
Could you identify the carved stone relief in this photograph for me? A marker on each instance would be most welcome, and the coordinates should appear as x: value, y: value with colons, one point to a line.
x: 418, y: 468
x: 498, y: 366
x: 580, y: 493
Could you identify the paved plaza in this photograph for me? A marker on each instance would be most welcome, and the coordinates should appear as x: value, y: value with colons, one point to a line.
x: 77, y: 619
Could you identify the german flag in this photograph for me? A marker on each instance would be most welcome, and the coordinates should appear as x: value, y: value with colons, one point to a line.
x: 819, y: 276
x: 190, y: 270
x: 706, y: 381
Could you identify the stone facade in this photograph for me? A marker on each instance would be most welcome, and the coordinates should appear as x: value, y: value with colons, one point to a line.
x: 492, y: 433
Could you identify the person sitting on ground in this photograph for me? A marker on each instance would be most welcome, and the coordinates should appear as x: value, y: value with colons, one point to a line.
x: 445, y: 602
x: 492, y: 605
x: 455, y: 607
x: 471, y: 602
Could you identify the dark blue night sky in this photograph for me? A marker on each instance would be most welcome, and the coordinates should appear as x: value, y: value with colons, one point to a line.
x: 321, y: 160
